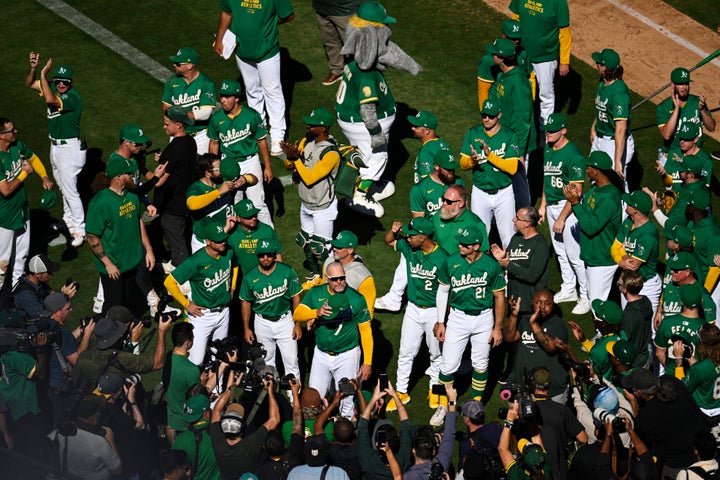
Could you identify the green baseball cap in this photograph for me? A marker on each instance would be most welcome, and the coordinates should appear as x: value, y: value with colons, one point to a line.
x: 424, y: 118
x: 345, y: 239
x: 471, y: 235
x: 48, y: 199
x: 177, y: 114
x: 600, y: 160
x: 691, y: 295
x: 338, y: 304
x: 418, y: 226
x: 374, y: 12
x: 195, y: 406
x: 319, y: 116
x: 229, y: 169
x: 532, y: 454
x: 214, y: 231
x: 117, y: 165
x: 680, y: 75
x: 689, y: 131
x: 266, y: 245
x: 607, y: 311
x: 230, y: 87
x: 133, y: 133
x: 607, y: 57
x: 186, y: 55
x: 490, y: 107
x: 556, y: 122
x: 682, y: 261
x: 444, y: 158
x: 638, y: 199
x: 511, y: 29
x: 692, y: 164
x: 502, y: 47
x: 245, y: 208
x: 63, y: 72
x: 679, y: 234
x: 623, y: 350
x: 700, y: 199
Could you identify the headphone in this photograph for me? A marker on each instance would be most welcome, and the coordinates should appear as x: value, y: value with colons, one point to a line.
x: 530, y: 381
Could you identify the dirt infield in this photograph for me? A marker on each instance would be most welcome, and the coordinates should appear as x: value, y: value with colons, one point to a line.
x: 647, y: 53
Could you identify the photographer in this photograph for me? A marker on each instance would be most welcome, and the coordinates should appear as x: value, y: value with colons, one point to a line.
x: 313, y: 406
x: 705, y: 447
x: 235, y: 452
x: 616, y: 461
x: 179, y: 374
x: 344, y: 450
x: 32, y: 289
x: 481, y: 440
x: 533, y: 462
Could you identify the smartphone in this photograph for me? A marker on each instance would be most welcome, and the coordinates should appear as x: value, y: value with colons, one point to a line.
x: 381, y: 438
x: 439, y: 389
x: 383, y: 381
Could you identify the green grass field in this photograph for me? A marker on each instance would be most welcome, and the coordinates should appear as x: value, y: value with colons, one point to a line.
x: 706, y: 13
x: 447, y: 42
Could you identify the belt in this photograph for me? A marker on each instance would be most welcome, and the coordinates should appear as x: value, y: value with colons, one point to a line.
x: 599, y: 135
x: 380, y: 116
x: 61, y: 141
x: 423, y: 307
x: 242, y: 158
x: 492, y: 191
x: 216, y: 309
x: 472, y: 313
x: 335, y: 354
x: 272, y: 319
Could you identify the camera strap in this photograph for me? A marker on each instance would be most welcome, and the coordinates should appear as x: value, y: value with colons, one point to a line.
x: 324, y: 472
x: 261, y: 396
x: 64, y: 364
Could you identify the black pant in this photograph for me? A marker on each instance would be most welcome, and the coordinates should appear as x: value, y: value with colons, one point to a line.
x: 124, y: 291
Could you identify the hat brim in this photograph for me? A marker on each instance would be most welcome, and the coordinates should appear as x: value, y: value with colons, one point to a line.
x: 106, y: 343
x: 597, y: 57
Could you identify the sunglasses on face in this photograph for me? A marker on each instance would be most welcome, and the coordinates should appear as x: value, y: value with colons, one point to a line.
x: 339, y: 278
x: 450, y: 202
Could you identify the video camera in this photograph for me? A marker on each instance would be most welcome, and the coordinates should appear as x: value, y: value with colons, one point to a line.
x: 436, y: 471
x: 520, y: 393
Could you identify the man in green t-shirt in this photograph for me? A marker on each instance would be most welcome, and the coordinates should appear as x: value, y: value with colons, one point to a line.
x: 247, y: 233
x: 182, y: 375
x: 257, y: 54
x: 196, y: 441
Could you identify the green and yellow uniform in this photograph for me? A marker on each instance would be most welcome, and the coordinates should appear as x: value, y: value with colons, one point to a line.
x: 360, y: 87
x: 612, y: 102
x: 270, y: 294
x: 446, y: 231
x: 14, y: 210
x: 422, y: 272
x: 472, y: 283
x: 672, y: 326
x: 599, y: 216
x: 512, y: 90
x: 206, y: 467
x: 183, y: 374
x: 17, y: 387
x: 703, y: 382
x: 244, y: 242
x: 426, y: 196
x: 504, y: 143
x: 672, y: 305
x: 425, y: 160
x: 198, y: 93
x: 706, y: 239
x: 685, y: 193
x: 210, y: 277
x: 563, y: 166
x: 255, y: 24
x: 541, y: 24
x: 215, y: 206
x: 237, y: 135
x: 600, y: 357
x: 64, y: 121
x: 689, y: 113
x: 641, y: 243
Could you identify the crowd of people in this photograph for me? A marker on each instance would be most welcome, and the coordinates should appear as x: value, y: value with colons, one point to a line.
x: 472, y: 270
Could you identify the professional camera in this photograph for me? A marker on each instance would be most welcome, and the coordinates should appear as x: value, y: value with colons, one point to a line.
x: 513, y: 392
x: 70, y: 282
x: 345, y: 387
x: 688, y: 348
x: 601, y: 415
x: 582, y: 370
x: 436, y: 471
x: 133, y: 379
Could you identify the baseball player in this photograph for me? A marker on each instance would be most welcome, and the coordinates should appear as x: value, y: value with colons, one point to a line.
x: 688, y: 138
x: 339, y: 315
x: 424, y: 124
x: 702, y: 376
x: 212, y: 276
x: 547, y: 39
x: 271, y: 291
x: 248, y: 233
x: 257, y: 55
x: 17, y: 161
x: 237, y: 134
x: 493, y: 154
x: 693, y: 187
x: 315, y: 160
x: 681, y: 108
x: 564, y: 165
x: 454, y: 218
x: 67, y: 154
x: 682, y: 268
x: 423, y: 261
x: 607, y: 316
x: 192, y: 90
x: 610, y: 131
x: 599, y: 217
x: 706, y: 235
x: 473, y: 284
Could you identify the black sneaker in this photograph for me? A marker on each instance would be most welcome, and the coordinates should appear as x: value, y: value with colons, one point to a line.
x: 716, y: 155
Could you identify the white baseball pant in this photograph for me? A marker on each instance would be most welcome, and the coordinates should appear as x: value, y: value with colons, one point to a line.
x: 67, y: 162
x: 255, y: 192
x: 326, y: 367
x: 213, y: 325
x: 20, y: 240
x: 545, y: 76
x: 567, y: 249
x: 202, y: 142
x: 599, y: 281
x: 278, y: 333
x: 607, y: 145
x: 417, y: 320
x: 319, y: 222
x: 459, y: 328
x: 264, y: 92
x: 358, y: 135
x: 500, y: 205
x: 399, y: 283
x: 652, y: 289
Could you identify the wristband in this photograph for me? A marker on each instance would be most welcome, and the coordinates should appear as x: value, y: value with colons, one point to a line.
x: 451, y: 403
x: 508, y: 424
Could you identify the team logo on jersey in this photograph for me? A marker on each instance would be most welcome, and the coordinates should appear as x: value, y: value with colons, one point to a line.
x: 234, y: 136
x: 366, y: 91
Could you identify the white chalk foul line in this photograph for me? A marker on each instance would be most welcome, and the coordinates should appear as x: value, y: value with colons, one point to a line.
x: 660, y: 29
x: 108, y: 39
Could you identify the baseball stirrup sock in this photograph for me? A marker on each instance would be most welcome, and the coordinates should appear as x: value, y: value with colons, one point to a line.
x: 365, y: 185
x: 479, y: 380
x: 446, y: 378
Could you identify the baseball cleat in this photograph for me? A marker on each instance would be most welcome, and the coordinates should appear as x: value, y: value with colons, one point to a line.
x: 716, y: 155
x: 381, y: 303
x: 364, y: 203
x: 433, y: 399
x: 582, y: 307
x: 562, y: 297
x: 392, y: 406
x: 381, y: 190
x: 275, y: 149
x: 78, y: 240
x: 438, y: 417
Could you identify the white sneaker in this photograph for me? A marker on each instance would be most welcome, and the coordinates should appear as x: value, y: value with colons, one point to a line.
x: 582, y: 307
x: 562, y: 297
x: 57, y: 241
x: 78, y: 240
x: 438, y: 417
x: 275, y: 149
x: 364, y: 203
x: 382, y: 190
x: 382, y: 303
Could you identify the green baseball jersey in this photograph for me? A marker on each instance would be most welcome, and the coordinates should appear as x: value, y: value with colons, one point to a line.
x: 210, y: 277
x: 672, y: 305
x: 673, y: 167
x: 642, y: 243
x: 676, y: 215
x: 488, y: 71
x: 689, y: 113
x: 703, y: 382
x: 600, y: 357
x: 359, y: 87
x: 446, y: 231
x: 426, y: 196
x: 422, y: 272
x: 255, y: 24
x: 425, y: 160
x: 64, y: 121
x: 541, y: 22
x: 612, y: 102
x: 599, y: 216
x: 17, y: 389
x: 244, y: 242
x: 513, y: 91
x: 115, y: 220
x: 472, y: 284
x: 563, y: 166
x: 340, y: 333
x: 198, y: 93
x: 237, y: 135
x: 270, y: 294
x: 219, y: 209
x: 183, y: 374
x: 706, y: 239
x: 503, y: 143
x: 14, y: 210
x: 671, y: 326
